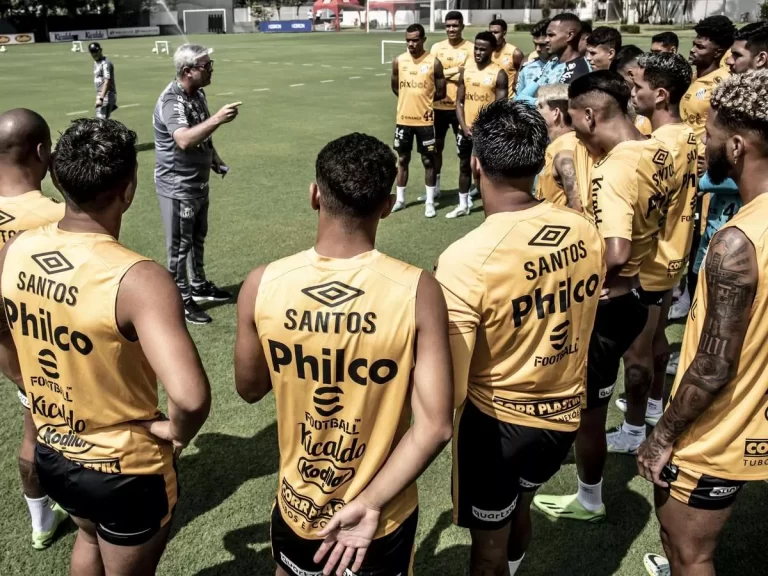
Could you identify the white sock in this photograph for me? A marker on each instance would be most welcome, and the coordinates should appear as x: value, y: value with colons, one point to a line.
x: 401, y: 194
x: 513, y: 566
x: 463, y: 200
x: 431, y: 194
x: 634, y: 431
x: 41, y: 513
x: 437, y: 183
x: 654, y: 406
x: 590, y: 495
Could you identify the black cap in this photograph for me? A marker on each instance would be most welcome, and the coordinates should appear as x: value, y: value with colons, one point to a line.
x: 94, y: 47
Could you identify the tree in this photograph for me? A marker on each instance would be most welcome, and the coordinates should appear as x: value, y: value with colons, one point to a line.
x: 764, y: 11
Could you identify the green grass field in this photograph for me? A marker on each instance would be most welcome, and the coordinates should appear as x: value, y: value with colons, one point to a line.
x: 298, y: 92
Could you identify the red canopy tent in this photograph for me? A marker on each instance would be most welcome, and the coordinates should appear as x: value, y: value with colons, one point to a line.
x: 336, y: 6
x: 393, y: 6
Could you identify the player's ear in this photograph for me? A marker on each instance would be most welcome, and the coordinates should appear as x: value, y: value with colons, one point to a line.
x: 476, y: 168
x: 314, y: 196
x: 661, y: 95
x: 761, y: 60
x: 388, y: 205
x: 130, y: 190
x: 736, y: 148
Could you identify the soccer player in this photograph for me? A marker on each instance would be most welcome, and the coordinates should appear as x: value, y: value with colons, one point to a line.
x: 709, y: 442
x: 557, y: 180
x: 104, y: 80
x: 355, y: 346
x: 629, y: 191
x: 519, y: 323
x: 506, y: 55
x: 25, y: 150
x: 480, y: 83
x: 417, y: 81
x: 660, y: 80
x: 586, y: 30
x: 537, y: 59
x: 602, y: 46
x: 185, y: 156
x: 625, y: 64
x: 453, y: 54
x: 91, y: 348
x: 665, y: 42
x: 750, y: 48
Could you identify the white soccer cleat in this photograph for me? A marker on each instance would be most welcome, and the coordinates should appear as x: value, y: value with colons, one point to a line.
x: 398, y: 206
x: 679, y: 309
x: 674, y: 362
x: 656, y: 565
x: 423, y: 197
x: 429, y: 210
x: 474, y: 192
x: 650, y: 418
x: 457, y: 212
x: 620, y: 442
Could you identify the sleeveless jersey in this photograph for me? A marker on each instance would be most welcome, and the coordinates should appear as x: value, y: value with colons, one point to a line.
x: 730, y: 439
x: 85, y: 382
x: 525, y: 315
x: 339, y: 337
x: 505, y: 58
x: 547, y: 187
x: 694, y: 107
x: 416, y: 91
x: 630, y: 186
x: 479, y: 89
x: 451, y: 57
x: 664, y: 266
x: 27, y: 211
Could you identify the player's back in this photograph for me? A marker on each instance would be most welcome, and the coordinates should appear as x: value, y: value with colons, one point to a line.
x: 86, y: 383
x: 532, y: 279
x: 630, y: 186
x: 547, y: 187
x: 25, y: 212
x: 339, y: 339
x: 664, y: 266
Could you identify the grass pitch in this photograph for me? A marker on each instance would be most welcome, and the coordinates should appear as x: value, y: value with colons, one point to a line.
x: 298, y: 92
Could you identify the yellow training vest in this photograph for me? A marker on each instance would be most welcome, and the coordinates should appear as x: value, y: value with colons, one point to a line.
x: 505, y: 58
x: 416, y: 90
x: 479, y: 90
x: 452, y: 57
x: 27, y: 211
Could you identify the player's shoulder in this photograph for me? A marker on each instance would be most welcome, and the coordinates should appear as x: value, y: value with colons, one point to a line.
x: 395, y: 272
x: 284, y: 266
x: 437, y: 46
x: 567, y: 141
x: 579, y: 221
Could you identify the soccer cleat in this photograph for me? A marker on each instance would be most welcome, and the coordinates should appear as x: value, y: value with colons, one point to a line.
x: 429, y: 210
x: 656, y: 565
x: 423, y: 197
x: 457, y: 212
x: 398, y: 206
x: 650, y: 418
x: 474, y: 191
x: 209, y: 292
x: 674, y: 362
x: 679, y: 309
x: 41, y: 540
x: 194, y: 314
x: 567, y: 507
x: 620, y: 442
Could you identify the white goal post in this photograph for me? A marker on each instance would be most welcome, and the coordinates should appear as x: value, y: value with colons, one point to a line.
x: 391, y: 49
x: 161, y: 46
x: 77, y: 46
x: 222, y: 10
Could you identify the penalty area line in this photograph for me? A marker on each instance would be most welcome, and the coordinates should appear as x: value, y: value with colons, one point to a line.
x: 127, y: 106
x: 260, y: 89
x: 77, y: 112
x: 225, y: 94
x: 325, y: 81
x: 295, y: 85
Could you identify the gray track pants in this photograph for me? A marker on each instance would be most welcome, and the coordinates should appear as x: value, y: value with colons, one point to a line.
x: 186, y: 225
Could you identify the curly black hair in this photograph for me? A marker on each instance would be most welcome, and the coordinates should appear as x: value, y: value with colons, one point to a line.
x: 717, y: 29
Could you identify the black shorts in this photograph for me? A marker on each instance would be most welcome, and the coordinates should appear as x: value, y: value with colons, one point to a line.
x: 425, y: 139
x: 702, y: 491
x: 618, y: 322
x: 443, y: 120
x: 651, y: 297
x: 463, y: 146
x: 127, y: 510
x: 390, y: 555
x: 494, y: 461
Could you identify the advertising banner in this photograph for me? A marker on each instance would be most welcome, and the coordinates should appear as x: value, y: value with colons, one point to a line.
x: 7, y: 39
x: 133, y: 32
x: 286, y: 26
x: 82, y: 35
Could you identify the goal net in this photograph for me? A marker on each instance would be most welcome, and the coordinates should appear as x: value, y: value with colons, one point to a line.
x: 391, y: 49
x: 213, y: 20
x: 161, y: 47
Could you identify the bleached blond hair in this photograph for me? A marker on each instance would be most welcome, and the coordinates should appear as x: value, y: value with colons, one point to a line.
x: 741, y: 102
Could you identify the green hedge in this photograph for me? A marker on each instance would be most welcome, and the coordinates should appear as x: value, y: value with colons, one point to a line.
x: 629, y: 28
x: 520, y: 27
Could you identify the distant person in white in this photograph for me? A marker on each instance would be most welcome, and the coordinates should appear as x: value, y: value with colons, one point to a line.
x: 104, y: 81
x: 184, y: 158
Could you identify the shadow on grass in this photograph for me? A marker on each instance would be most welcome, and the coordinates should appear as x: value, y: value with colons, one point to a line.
x: 222, y: 464
x: 743, y: 539
x: 233, y: 289
x: 449, y: 561
x: 246, y: 560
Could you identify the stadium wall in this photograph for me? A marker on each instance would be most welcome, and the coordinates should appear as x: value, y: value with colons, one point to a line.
x: 484, y: 17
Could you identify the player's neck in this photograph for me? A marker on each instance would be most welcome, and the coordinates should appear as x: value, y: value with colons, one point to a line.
x: 16, y: 181
x: 556, y: 131
x: 570, y: 53
x: 663, y: 116
x: 753, y: 180
x: 508, y: 197
x: 107, y: 222
x: 417, y: 56
x: 337, y: 239
x: 614, y: 133
x: 456, y: 41
x: 187, y: 86
x: 700, y: 72
x: 482, y: 65
x: 501, y: 45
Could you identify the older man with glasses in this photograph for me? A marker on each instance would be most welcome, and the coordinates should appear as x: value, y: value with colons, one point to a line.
x: 185, y: 156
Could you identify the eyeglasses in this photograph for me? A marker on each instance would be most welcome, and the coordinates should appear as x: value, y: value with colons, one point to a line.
x: 208, y: 66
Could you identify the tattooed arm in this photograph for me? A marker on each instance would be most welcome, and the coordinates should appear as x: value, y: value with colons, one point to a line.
x: 731, y: 273
x: 565, y: 173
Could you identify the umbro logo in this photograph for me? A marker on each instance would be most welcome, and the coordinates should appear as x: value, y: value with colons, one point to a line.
x: 559, y: 336
x: 549, y: 236
x: 52, y: 262
x: 694, y: 306
x: 660, y: 157
x: 692, y: 138
x: 332, y: 294
x: 5, y: 218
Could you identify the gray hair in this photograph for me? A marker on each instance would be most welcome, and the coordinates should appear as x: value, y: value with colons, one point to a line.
x: 187, y: 56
